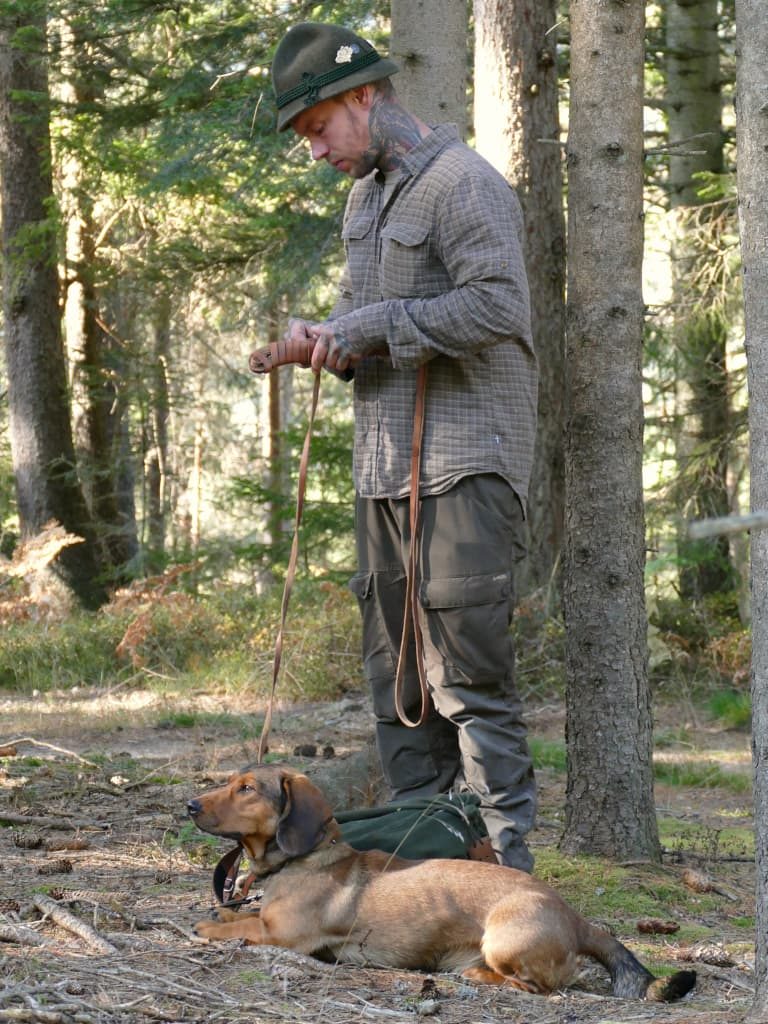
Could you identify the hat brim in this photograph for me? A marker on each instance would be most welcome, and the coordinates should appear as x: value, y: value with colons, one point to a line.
x: 381, y: 69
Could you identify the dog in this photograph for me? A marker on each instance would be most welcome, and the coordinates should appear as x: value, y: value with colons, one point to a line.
x: 491, y: 923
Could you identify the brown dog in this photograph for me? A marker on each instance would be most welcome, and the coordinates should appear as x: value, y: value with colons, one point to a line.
x: 321, y: 897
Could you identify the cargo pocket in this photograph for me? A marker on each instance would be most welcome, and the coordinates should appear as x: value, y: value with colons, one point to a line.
x: 468, y: 619
x: 381, y: 597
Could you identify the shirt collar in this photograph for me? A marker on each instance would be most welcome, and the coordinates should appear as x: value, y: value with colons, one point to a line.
x: 416, y: 159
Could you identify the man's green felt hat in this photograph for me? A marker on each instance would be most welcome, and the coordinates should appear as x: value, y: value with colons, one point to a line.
x: 314, y: 62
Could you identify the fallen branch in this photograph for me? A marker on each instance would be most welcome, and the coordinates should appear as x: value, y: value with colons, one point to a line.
x: 50, y: 746
x: 20, y: 1013
x: 50, y: 908
x: 20, y: 935
x: 727, y: 524
x: 42, y: 821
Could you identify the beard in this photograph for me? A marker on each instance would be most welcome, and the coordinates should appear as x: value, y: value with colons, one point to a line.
x: 366, y: 163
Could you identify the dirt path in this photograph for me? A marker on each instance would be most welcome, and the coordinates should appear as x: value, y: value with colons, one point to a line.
x: 138, y: 874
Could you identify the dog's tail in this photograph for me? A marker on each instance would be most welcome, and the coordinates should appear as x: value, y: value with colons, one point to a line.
x: 630, y: 979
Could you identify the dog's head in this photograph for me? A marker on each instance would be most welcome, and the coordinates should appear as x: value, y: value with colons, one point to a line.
x: 275, y: 812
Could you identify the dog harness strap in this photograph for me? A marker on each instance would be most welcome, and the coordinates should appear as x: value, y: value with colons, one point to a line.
x: 411, y: 611
x: 280, y: 353
x: 291, y: 570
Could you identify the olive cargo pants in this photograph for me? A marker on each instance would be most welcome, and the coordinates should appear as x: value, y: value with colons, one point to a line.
x: 475, y: 736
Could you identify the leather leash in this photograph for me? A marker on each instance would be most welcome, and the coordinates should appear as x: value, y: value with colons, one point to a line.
x: 259, y: 364
x: 264, y: 360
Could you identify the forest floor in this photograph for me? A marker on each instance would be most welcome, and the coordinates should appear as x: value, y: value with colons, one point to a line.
x: 110, y: 843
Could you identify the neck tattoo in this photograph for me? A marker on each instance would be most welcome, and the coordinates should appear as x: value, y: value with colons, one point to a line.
x: 394, y: 132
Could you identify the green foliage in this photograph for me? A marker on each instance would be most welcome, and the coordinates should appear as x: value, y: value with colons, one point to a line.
x: 731, y: 707
x: 686, y: 840
x: 249, y: 726
x: 701, y: 774
x: 199, y: 847
x: 548, y: 754
x: 79, y: 651
x: 602, y: 890
x: 702, y: 646
x: 326, y: 532
x: 539, y: 649
x: 220, y: 642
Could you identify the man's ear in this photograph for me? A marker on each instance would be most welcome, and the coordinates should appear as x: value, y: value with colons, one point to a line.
x: 362, y: 96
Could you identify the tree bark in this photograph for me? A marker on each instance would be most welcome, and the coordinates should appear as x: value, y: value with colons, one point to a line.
x: 47, y: 486
x: 517, y: 129
x: 699, y: 328
x: 609, y: 798
x: 752, y: 174
x: 429, y: 42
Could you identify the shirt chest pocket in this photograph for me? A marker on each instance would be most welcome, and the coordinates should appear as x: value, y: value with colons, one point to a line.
x: 409, y: 268
x: 359, y: 243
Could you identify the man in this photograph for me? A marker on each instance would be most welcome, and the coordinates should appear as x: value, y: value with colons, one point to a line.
x: 434, y: 276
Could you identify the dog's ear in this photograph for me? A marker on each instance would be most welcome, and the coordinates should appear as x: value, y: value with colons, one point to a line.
x: 305, y: 814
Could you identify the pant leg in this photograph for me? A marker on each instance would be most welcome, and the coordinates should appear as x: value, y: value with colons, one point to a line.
x: 471, y: 537
x: 416, y: 762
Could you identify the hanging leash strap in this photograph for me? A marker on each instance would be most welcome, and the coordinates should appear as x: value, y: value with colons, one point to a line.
x: 280, y: 353
x: 291, y: 571
x: 411, y: 613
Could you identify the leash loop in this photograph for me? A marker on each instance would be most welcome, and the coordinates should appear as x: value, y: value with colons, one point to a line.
x: 411, y: 613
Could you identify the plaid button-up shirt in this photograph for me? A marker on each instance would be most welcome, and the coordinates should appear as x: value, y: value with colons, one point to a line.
x: 435, y: 272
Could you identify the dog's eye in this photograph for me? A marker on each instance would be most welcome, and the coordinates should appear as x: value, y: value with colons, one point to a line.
x: 245, y: 788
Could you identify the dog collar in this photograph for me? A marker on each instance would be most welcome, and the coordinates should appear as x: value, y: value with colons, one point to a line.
x: 225, y: 877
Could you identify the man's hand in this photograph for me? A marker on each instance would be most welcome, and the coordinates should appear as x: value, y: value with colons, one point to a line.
x: 299, y: 333
x: 330, y: 350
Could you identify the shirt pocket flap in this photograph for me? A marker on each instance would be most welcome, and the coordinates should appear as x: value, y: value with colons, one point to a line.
x: 466, y: 591
x: 405, y: 234
x: 357, y: 226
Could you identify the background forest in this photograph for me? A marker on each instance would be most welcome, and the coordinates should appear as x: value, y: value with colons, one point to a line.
x: 185, y: 231
x: 156, y: 229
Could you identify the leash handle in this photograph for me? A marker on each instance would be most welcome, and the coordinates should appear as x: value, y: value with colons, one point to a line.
x: 291, y: 571
x: 281, y: 353
x: 411, y: 613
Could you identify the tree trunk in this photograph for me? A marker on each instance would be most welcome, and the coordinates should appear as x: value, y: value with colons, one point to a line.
x: 429, y: 43
x: 609, y: 798
x: 752, y: 174
x: 700, y: 328
x: 517, y: 130
x: 95, y: 363
x: 47, y: 486
x: 157, y: 458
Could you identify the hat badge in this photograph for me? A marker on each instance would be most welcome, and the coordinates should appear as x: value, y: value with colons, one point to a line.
x: 344, y: 54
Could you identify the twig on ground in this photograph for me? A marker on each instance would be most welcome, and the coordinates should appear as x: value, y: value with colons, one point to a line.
x: 50, y: 908
x: 186, y: 932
